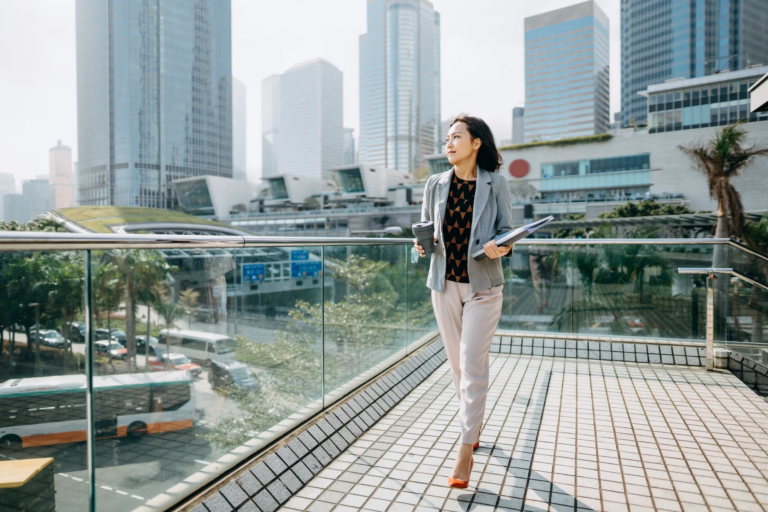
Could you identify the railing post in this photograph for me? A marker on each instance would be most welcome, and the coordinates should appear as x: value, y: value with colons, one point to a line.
x: 711, y: 323
x: 89, y: 396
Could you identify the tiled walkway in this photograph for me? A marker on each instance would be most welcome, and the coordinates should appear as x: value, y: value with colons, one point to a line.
x: 565, y: 435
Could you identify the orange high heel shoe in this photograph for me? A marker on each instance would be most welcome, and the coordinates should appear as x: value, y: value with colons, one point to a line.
x: 460, y: 484
x: 477, y: 444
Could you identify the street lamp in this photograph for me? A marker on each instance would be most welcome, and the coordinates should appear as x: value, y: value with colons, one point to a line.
x: 38, y: 370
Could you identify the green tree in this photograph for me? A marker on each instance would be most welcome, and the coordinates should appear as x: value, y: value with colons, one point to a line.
x: 64, y: 278
x: 24, y: 289
x: 364, y: 322
x: 646, y: 208
x: 756, y: 235
x: 140, y: 270
x: 722, y: 159
x: 572, y: 232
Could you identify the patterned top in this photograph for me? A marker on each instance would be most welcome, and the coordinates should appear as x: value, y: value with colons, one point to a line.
x: 457, y: 227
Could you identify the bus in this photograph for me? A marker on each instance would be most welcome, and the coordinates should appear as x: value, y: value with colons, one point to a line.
x: 43, y: 411
x: 198, y: 345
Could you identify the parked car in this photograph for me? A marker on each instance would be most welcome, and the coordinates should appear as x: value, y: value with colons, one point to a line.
x: 223, y: 374
x: 113, y: 348
x: 140, y: 342
x: 118, y: 336
x: 51, y: 338
x: 174, y: 362
x: 75, y: 331
x: 101, y: 334
x: 205, y: 315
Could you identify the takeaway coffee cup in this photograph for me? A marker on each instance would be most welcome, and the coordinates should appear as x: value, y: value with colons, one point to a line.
x: 424, y: 232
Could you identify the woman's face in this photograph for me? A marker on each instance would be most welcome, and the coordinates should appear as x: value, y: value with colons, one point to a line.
x: 459, y: 144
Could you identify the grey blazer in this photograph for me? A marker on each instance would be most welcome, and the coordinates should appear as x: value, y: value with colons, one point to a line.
x: 491, y: 216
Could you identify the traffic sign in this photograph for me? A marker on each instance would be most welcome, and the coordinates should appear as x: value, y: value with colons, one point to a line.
x: 306, y: 269
x: 299, y: 255
x: 253, y: 272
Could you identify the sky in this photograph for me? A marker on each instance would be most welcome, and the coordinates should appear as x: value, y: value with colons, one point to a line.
x: 482, y: 52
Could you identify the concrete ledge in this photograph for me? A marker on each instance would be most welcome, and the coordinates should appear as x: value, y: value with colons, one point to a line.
x: 627, y: 349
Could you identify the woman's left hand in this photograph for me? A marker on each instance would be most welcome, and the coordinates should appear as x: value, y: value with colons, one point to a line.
x: 494, y: 251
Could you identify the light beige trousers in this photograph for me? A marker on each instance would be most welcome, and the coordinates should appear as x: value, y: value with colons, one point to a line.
x: 467, y: 322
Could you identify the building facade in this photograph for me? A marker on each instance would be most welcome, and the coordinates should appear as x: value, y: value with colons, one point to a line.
x: 33, y: 201
x: 400, y: 84
x: 154, y: 95
x: 518, y: 125
x: 311, y: 119
x: 270, y: 125
x: 567, y: 73
x: 714, y: 100
x: 60, y: 178
x: 686, y: 39
x: 238, y: 130
x: 7, y: 186
x: 350, y: 156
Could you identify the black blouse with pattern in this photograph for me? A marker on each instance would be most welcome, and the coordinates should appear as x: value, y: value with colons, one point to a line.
x: 457, y: 227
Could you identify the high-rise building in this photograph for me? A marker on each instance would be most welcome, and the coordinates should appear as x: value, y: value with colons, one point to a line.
x: 349, y: 147
x: 311, y: 119
x: 566, y: 73
x: 270, y: 125
x: 685, y: 39
x: 154, y: 97
x: 7, y: 186
x: 33, y: 201
x: 60, y: 186
x: 238, y: 130
x: 400, y: 84
x: 518, y: 125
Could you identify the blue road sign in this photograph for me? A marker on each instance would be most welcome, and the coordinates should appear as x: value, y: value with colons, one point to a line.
x: 306, y: 269
x: 253, y: 272
x: 299, y: 255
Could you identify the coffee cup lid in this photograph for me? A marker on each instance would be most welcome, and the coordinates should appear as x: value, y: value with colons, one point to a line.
x: 423, y: 224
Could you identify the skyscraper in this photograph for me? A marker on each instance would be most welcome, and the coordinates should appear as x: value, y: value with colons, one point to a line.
x: 400, y: 84
x: 349, y: 147
x: 60, y: 186
x: 154, y: 95
x: 566, y: 73
x: 238, y: 130
x: 518, y: 125
x: 270, y: 125
x: 685, y: 39
x: 311, y: 119
x: 7, y: 186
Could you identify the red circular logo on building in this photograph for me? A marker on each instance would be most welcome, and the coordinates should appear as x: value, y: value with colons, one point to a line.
x: 519, y: 168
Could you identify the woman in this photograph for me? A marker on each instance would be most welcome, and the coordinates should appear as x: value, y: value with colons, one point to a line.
x: 469, y: 205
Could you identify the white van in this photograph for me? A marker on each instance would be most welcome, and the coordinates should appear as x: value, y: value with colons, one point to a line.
x: 198, y: 345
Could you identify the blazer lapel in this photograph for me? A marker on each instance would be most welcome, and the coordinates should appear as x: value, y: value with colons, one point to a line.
x: 481, y: 195
x: 442, y: 189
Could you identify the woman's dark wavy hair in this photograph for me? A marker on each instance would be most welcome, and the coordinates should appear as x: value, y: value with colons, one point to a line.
x: 488, y: 156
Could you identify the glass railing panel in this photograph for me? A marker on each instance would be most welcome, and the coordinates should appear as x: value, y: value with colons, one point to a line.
x: 747, y: 306
x: 536, y: 289
x: 365, y: 313
x: 607, y: 289
x: 204, y: 357
x: 43, y: 378
x: 421, y: 316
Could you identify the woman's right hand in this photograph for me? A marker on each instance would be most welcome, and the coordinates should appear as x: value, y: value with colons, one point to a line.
x: 419, y: 248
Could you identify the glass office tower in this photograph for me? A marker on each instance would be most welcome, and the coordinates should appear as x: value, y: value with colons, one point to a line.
x: 566, y: 73
x: 399, y: 84
x: 154, y: 93
x: 311, y: 119
x: 685, y: 39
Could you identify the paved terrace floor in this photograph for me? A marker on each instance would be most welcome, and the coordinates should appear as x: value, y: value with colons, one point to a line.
x: 565, y: 435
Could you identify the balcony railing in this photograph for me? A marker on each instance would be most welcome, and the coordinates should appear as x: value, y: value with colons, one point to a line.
x: 148, y: 366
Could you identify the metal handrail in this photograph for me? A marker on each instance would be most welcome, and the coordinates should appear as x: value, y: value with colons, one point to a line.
x: 42, y: 241
x: 730, y: 271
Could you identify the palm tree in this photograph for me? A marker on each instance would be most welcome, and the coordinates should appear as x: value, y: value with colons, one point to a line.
x: 141, y: 270
x: 723, y: 158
